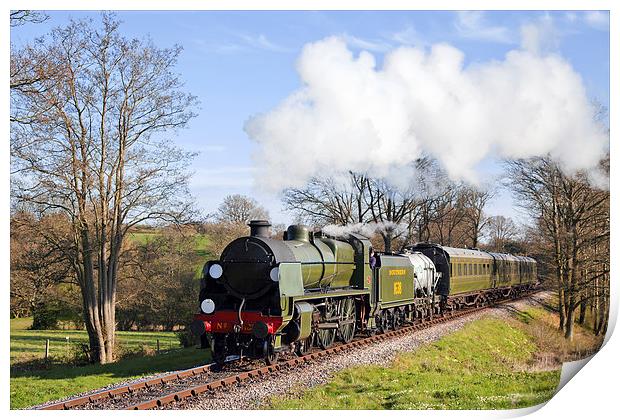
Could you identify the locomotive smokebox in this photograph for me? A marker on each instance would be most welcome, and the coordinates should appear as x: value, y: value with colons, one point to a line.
x: 259, y: 228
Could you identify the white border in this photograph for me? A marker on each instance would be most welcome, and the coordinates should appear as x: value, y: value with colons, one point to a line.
x: 591, y: 394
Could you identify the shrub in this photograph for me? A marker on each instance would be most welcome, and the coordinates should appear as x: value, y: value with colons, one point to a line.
x: 186, y: 338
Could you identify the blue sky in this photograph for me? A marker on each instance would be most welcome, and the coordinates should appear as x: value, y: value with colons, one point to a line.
x: 240, y: 64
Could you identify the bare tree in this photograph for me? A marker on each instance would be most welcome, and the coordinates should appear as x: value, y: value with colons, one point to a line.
x: 36, y: 267
x: 21, y: 17
x: 240, y: 209
x: 325, y: 201
x: 574, y: 216
x: 447, y: 213
x: 390, y: 208
x: 475, y: 200
x: 500, y: 230
x: 94, y: 148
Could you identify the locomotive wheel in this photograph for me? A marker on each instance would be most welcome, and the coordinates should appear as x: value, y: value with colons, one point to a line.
x: 398, y: 319
x: 271, y: 358
x: 270, y: 355
x: 326, y: 337
x: 383, y: 321
x: 219, y: 350
x: 347, y: 329
x: 304, y: 346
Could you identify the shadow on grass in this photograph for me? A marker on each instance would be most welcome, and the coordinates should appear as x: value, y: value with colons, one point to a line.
x: 522, y: 316
x: 131, y: 366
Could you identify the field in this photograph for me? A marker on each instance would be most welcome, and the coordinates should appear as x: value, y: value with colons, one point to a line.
x: 200, y: 241
x: 489, y: 364
x: 27, y: 345
x: 34, y: 384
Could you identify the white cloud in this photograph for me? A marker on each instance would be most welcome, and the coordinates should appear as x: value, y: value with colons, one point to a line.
x: 597, y: 19
x: 351, y: 115
x: 244, y: 43
x: 407, y: 36
x: 260, y: 41
x: 365, y: 44
x: 473, y: 25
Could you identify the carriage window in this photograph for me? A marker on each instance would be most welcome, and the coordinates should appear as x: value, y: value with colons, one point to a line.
x: 475, y: 269
x: 460, y: 272
x: 469, y: 270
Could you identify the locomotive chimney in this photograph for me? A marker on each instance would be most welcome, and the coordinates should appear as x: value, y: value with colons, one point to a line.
x: 259, y: 228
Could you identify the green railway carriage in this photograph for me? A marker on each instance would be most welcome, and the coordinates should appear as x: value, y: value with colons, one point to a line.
x: 472, y: 276
x: 470, y: 270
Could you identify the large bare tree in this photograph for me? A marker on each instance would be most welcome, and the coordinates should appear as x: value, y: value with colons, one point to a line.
x: 237, y: 208
x: 94, y: 145
x: 475, y: 200
x: 325, y: 200
x: 575, y: 217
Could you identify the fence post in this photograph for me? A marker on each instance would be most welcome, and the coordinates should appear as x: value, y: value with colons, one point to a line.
x: 47, y: 349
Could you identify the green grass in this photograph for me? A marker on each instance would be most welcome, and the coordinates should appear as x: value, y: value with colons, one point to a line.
x: 482, y: 366
x: 30, y: 387
x: 30, y: 344
x: 200, y: 241
x: 35, y: 387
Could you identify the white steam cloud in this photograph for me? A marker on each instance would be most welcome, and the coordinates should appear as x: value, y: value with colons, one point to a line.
x: 351, y: 114
x: 365, y: 229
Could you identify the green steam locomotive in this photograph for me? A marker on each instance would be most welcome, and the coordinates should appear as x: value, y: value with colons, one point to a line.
x: 265, y: 296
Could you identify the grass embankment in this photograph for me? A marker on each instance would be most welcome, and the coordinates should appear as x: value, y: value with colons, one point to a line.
x: 489, y: 364
x: 30, y: 386
x: 200, y: 246
x: 201, y: 241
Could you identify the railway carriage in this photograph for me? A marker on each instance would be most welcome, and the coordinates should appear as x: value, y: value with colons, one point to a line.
x: 471, y: 277
x: 264, y: 295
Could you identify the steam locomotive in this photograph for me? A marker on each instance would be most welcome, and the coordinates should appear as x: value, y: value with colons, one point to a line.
x: 264, y: 295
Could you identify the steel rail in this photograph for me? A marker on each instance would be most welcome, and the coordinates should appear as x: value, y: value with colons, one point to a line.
x: 265, y: 371
x: 241, y: 377
x: 124, y: 389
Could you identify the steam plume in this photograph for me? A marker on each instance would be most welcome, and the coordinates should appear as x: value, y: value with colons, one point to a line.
x: 351, y: 114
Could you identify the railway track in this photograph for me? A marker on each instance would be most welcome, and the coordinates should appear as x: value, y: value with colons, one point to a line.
x: 178, y: 386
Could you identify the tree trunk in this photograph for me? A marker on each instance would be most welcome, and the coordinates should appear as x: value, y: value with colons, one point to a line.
x: 582, y: 310
x: 561, y: 308
x: 570, y: 317
x: 387, y: 242
x: 570, y: 322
